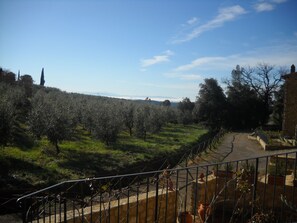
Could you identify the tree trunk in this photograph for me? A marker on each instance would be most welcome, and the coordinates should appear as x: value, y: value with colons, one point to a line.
x: 57, y: 147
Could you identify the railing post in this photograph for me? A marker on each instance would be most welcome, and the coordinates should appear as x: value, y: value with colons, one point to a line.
x: 255, y: 186
x: 157, y: 195
x: 65, y: 210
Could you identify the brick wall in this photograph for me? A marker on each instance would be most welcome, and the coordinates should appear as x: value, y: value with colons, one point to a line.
x: 290, y: 105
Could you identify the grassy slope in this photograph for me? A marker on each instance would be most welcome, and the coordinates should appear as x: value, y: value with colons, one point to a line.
x: 85, y: 157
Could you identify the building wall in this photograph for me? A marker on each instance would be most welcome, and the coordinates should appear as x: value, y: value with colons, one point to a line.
x: 290, y: 105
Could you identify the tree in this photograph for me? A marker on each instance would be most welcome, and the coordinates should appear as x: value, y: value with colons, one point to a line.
x: 128, y: 111
x: 186, y: 107
x: 166, y: 103
x: 37, y: 116
x: 7, y: 121
x: 42, y: 81
x: 107, y: 123
x: 278, y: 107
x: 52, y: 116
x: 27, y: 81
x: 244, y: 108
x: 142, y: 121
x: 210, y: 104
x: 156, y: 119
x: 264, y: 80
x: 7, y: 76
x: 11, y: 112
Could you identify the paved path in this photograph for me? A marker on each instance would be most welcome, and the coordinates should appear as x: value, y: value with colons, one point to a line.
x: 235, y: 146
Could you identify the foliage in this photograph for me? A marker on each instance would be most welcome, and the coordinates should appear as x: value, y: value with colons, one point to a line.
x: 13, y: 108
x: 278, y: 106
x: 278, y: 169
x: 106, y: 122
x: 52, y: 115
x: 27, y: 82
x: 42, y: 81
x: 142, y: 122
x: 186, y: 108
x: 264, y: 80
x: 83, y: 156
x: 128, y: 113
x: 211, y: 104
x: 166, y: 103
x: 244, y: 108
x: 55, y: 114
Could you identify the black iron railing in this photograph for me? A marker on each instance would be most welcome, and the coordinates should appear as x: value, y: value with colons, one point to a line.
x: 237, y: 191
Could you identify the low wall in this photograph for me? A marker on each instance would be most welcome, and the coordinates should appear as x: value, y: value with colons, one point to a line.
x: 285, y: 160
x: 140, y: 210
x: 267, y: 146
x: 268, y: 196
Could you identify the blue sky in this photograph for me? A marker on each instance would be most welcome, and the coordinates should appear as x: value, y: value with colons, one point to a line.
x: 162, y: 49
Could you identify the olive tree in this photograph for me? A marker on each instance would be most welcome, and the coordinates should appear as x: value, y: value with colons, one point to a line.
x: 12, y: 101
x: 107, y: 122
x: 52, y: 116
x: 185, y: 108
x: 128, y: 113
x: 142, y: 121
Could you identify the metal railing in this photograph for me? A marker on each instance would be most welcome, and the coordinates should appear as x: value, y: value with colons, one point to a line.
x: 236, y: 191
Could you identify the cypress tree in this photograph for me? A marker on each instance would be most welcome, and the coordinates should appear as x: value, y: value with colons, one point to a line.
x: 42, y: 81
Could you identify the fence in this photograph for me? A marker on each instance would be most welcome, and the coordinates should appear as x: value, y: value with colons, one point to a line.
x: 236, y: 191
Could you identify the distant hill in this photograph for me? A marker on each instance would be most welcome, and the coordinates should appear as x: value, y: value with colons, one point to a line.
x: 173, y: 104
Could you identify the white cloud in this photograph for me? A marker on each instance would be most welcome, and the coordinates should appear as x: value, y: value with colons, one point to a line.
x: 191, y: 77
x: 282, y: 54
x: 186, y: 77
x: 192, y: 21
x: 264, y: 6
x: 154, y: 98
x: 224, y: 15
x: 156, y: 59
x: 279, y: 1
x: 199, y: 62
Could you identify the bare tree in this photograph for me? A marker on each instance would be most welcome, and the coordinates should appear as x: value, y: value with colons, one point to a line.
x: 265, y: 80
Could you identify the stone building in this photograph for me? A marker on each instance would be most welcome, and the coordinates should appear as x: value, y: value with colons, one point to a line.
x: 290, y: 104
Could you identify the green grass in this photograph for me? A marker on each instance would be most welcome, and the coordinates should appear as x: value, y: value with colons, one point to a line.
x: 84, y: 157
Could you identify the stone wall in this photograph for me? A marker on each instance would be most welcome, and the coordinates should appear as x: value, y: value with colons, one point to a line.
x: 290, y: 105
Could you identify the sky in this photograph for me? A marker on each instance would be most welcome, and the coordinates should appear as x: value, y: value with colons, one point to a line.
x: 161, y: 49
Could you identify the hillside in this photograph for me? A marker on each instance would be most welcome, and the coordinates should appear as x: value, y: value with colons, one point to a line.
x: 84, y: 157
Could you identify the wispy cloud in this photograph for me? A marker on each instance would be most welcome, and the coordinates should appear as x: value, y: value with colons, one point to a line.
x: 199, y: 62
x: 264, y: 6
x: 186, y: 77
x: 279, y: 1
x: 192, y: 21
x: 191, y: 77
x: 224, y: 15
x: 282, y: 54
x: 164, y: 57
x: 268, y: 5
